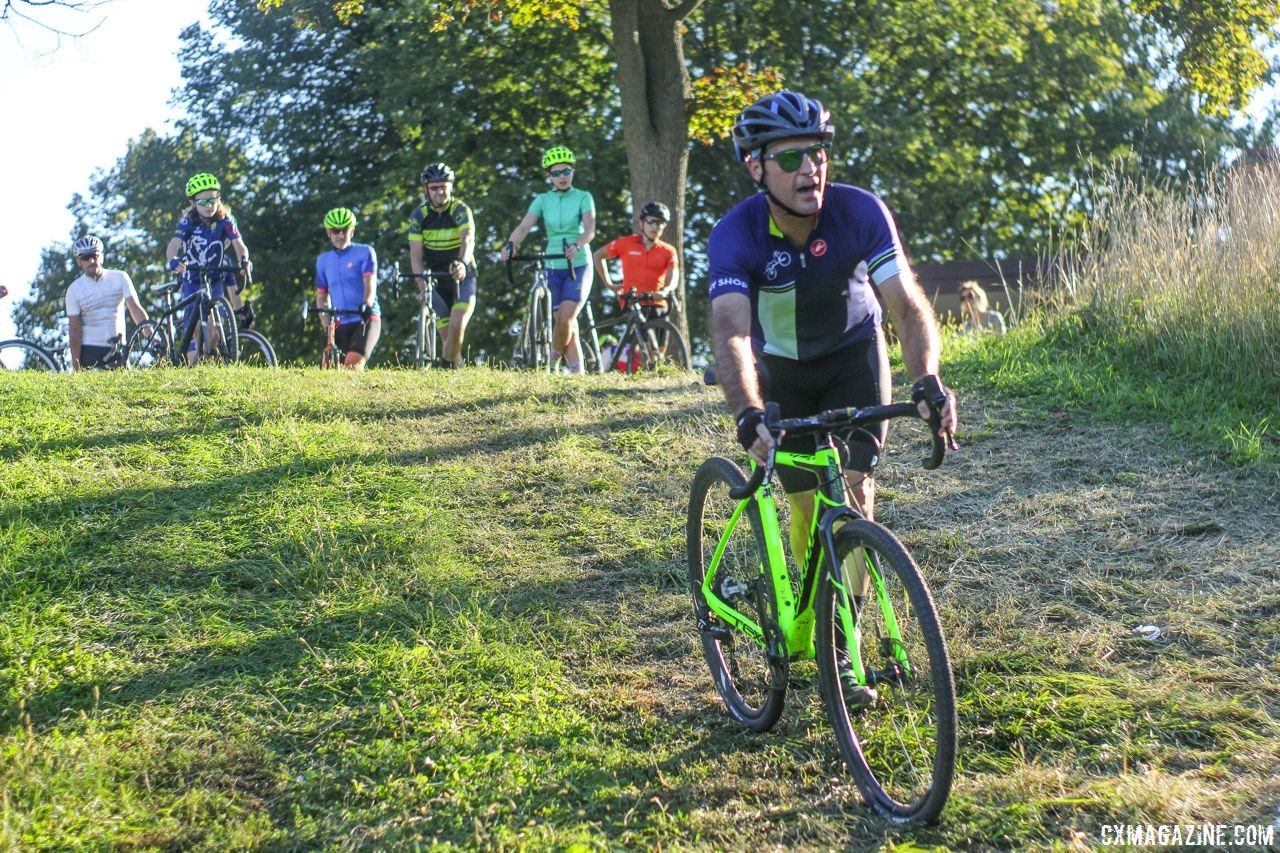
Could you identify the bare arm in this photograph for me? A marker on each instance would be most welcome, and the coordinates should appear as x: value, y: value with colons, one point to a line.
x: 370, y: 288
x: 918, y: 331
x: 588, y: 234
x: 673, y: 279
x: 735, y: 362
x: 602, y: 269
x: 75, y: 332
x: 173, y: 252
x: 518, y: 235
x: 136, y: 311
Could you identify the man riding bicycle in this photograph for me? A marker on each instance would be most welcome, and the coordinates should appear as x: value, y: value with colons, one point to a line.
x: 794, y: 316
x: 442, y: 240
x: 95, y: 307
x: 649, y: 264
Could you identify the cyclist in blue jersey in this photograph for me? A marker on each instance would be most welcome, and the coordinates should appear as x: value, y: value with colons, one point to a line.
x: 346, y: 279
x: 205, y: 236
x: 569, y: 217
x: 794, y: 316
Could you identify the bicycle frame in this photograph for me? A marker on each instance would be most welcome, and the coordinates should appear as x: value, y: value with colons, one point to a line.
x: 795, y: 606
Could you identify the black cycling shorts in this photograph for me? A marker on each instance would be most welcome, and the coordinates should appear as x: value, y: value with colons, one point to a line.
x: 96, y: 356
x: 855, y: 376
x: 449, y: 293
x: 358, y: 335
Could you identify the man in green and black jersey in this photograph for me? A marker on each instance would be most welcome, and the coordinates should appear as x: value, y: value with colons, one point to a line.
x: 442, y: 240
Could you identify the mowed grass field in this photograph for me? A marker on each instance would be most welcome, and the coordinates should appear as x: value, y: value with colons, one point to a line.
x: 297, y: 610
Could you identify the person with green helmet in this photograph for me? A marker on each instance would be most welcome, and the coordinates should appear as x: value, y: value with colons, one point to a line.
x: 568, y: 215
x: 205, y: 236
x: 347, y: 280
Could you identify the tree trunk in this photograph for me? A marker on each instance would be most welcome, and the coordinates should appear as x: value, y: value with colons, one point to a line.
x: 656, y: 94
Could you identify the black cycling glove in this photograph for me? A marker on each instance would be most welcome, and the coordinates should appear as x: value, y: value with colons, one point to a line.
x: 931, y: 390
x: 366, y: 311
x: 245, y: 317
x: 747, y: 422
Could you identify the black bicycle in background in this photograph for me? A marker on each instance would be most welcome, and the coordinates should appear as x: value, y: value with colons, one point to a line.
x: 647, y: 342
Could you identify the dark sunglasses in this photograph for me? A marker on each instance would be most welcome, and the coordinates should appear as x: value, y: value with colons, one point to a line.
x: 649, y: 220
x: 560, y: 173
x: 206, y: 202
x: 87, y: 257
x: 791, y: 159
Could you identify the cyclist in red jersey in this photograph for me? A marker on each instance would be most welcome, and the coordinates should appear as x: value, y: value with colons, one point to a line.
x: 648, y: 263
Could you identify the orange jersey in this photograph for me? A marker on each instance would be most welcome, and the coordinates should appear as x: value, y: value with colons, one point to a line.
x: 642, y: 269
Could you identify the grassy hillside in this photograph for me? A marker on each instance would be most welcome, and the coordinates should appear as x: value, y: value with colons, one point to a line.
x: 297, y: 610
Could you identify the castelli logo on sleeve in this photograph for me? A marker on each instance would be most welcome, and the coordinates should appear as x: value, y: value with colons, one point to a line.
x: 818, y: 248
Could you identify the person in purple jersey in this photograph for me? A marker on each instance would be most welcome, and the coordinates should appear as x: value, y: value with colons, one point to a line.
x: 346, y: 279
x: 206, y: 235
x: 794, y: 319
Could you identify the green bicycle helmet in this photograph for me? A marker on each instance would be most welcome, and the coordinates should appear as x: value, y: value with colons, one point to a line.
x: 339, y: 217
x: 557, y: 155
x: 200, y: 182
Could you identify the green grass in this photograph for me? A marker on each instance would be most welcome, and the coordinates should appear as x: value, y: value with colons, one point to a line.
x: 298, y: 610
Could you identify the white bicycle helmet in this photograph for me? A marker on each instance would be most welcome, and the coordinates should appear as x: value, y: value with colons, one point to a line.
x: 88, y: 244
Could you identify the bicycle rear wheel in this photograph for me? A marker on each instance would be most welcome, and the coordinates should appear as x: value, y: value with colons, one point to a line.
x: 17, y: 354
x: 752, y: 685
x: 901, y: 747
x: 661, y: 344
x: 254, y: 349
x: 148, y: 346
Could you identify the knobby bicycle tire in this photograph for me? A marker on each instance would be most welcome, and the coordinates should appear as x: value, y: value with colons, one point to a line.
x: 149, y: 346
x: 541, y: 332
x: 222, y: 316
x: 19, y: 354
x: 663, y: 344
x: 254, y: 349
x: 424, y: 352
x: 900, y: 748
x: 752, y: 685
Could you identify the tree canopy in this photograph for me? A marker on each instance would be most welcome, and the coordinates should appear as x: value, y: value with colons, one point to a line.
x: 977, y: 123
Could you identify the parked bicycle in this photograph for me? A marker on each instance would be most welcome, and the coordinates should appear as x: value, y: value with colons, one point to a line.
x: 858, y: 604
x: 647, y: 342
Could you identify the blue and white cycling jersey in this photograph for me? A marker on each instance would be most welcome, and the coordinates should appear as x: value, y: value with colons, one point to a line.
x: 812, y: 301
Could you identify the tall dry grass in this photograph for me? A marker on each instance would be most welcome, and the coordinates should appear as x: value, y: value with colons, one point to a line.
x: 1188, y: 278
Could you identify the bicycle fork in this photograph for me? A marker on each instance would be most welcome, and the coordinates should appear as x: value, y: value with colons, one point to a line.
x: 850, y: 579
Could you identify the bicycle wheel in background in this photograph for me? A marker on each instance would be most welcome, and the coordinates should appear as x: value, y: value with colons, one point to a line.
x: 901, y: 748
x: 17, y: 354
x: 753, y: 687
x: 148, y: 346
x: 254, y: 349
x: 661, y: 343
x: 540, y: 330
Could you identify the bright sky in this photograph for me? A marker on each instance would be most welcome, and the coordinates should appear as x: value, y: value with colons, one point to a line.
x: 70, y: 110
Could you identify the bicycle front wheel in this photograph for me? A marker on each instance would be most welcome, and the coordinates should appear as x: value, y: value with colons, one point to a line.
x: 18, y: 354
x: 540, y: 330
x: 224, y: 342
x: 149, y: 346
x: 885, y: 675
x: 752, y: 684
x: 254, y: 349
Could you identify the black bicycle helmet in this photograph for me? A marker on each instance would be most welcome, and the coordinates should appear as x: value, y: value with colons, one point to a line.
x: 782, y: 115
x: 656, y: 209
x: 436, y: 173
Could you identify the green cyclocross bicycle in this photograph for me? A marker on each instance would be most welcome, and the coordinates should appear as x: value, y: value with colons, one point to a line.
x: 859, y: 606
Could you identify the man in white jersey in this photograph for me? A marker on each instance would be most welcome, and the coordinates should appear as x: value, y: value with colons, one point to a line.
x: 95, y: 306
